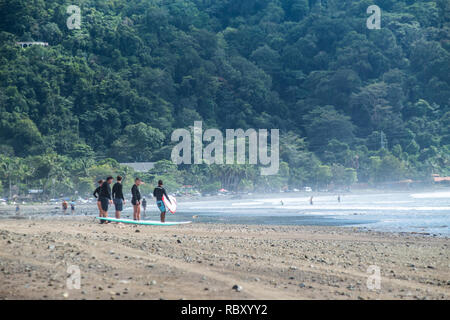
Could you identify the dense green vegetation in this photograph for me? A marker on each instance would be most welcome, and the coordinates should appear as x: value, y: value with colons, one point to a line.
x: 352, y: 104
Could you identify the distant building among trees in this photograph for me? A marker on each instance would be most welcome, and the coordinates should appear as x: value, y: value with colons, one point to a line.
x: 140, y: 166
x: 28, y: 44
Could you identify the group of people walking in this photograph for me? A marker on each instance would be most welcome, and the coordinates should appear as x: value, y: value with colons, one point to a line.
x: 107, y: 196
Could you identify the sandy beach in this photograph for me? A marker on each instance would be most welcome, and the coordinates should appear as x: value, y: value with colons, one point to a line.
x: 205, y: 261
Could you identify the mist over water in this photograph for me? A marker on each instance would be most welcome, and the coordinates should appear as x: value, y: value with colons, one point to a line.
x: 427, y: 212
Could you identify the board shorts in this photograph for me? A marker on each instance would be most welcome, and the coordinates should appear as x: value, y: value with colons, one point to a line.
x: 105, y: 203
x: 118, y: 203
x: 134, y: 201
x: 161, y: 206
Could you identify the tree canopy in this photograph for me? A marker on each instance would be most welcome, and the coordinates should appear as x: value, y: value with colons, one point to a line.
x: 352, y: 104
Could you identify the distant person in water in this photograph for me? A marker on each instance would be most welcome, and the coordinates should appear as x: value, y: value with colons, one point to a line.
x: 17, y: 209
x: 97, y: 196
x: 311, y: 201
x: 105, y: 197
x: 158, y: 193
x: 118, y: 198
x: 339, y: 198
x: 72, y: 206
x: 136, y: 199
x: 282, y: 203
x: 144, y: 205
x: 65, y: 205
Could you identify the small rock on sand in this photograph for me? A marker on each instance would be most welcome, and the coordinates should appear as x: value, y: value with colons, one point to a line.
x: 237, y: 288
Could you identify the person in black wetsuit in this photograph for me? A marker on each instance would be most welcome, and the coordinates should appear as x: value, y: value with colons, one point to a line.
x: 136, y: 199
x: 144, y: 205
x: 158, y: 193
x: 96, y: 195
x: 105, y: 197
x: 117, y: 195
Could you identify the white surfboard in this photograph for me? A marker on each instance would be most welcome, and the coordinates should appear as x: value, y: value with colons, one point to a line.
x: 144, y: 222
x: 172, y: 205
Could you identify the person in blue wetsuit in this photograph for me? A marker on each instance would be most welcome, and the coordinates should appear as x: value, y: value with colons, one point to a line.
x: 158, y: 193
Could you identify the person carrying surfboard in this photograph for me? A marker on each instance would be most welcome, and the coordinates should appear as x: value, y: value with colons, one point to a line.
x: 105, y: 197
x: 136, y: 199
x: 158, y: 193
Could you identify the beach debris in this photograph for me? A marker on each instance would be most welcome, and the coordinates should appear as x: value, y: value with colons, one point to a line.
x: 302, y: 285
x: 65, y: 295
x: 237, y: 288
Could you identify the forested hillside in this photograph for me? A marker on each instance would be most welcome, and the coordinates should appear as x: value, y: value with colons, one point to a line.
x: 352, y: 104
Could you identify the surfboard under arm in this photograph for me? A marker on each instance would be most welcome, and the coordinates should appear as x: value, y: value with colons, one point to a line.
x: 170, y: 205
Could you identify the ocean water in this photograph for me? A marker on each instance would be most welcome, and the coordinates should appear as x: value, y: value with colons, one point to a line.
x: 427, y: 212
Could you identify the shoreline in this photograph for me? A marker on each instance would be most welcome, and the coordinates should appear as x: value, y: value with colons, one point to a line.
x: 352, y: 227
x: 35, y: 213
x: 204, y: 261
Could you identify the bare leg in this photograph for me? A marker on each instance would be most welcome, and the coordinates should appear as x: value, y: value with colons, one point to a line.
x: 163, y: 216
x: 138, y: 212
x: 99, y: 206
x: 117, y: 214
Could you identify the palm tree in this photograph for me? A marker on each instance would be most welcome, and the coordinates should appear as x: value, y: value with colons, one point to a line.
x: 9, y: 171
